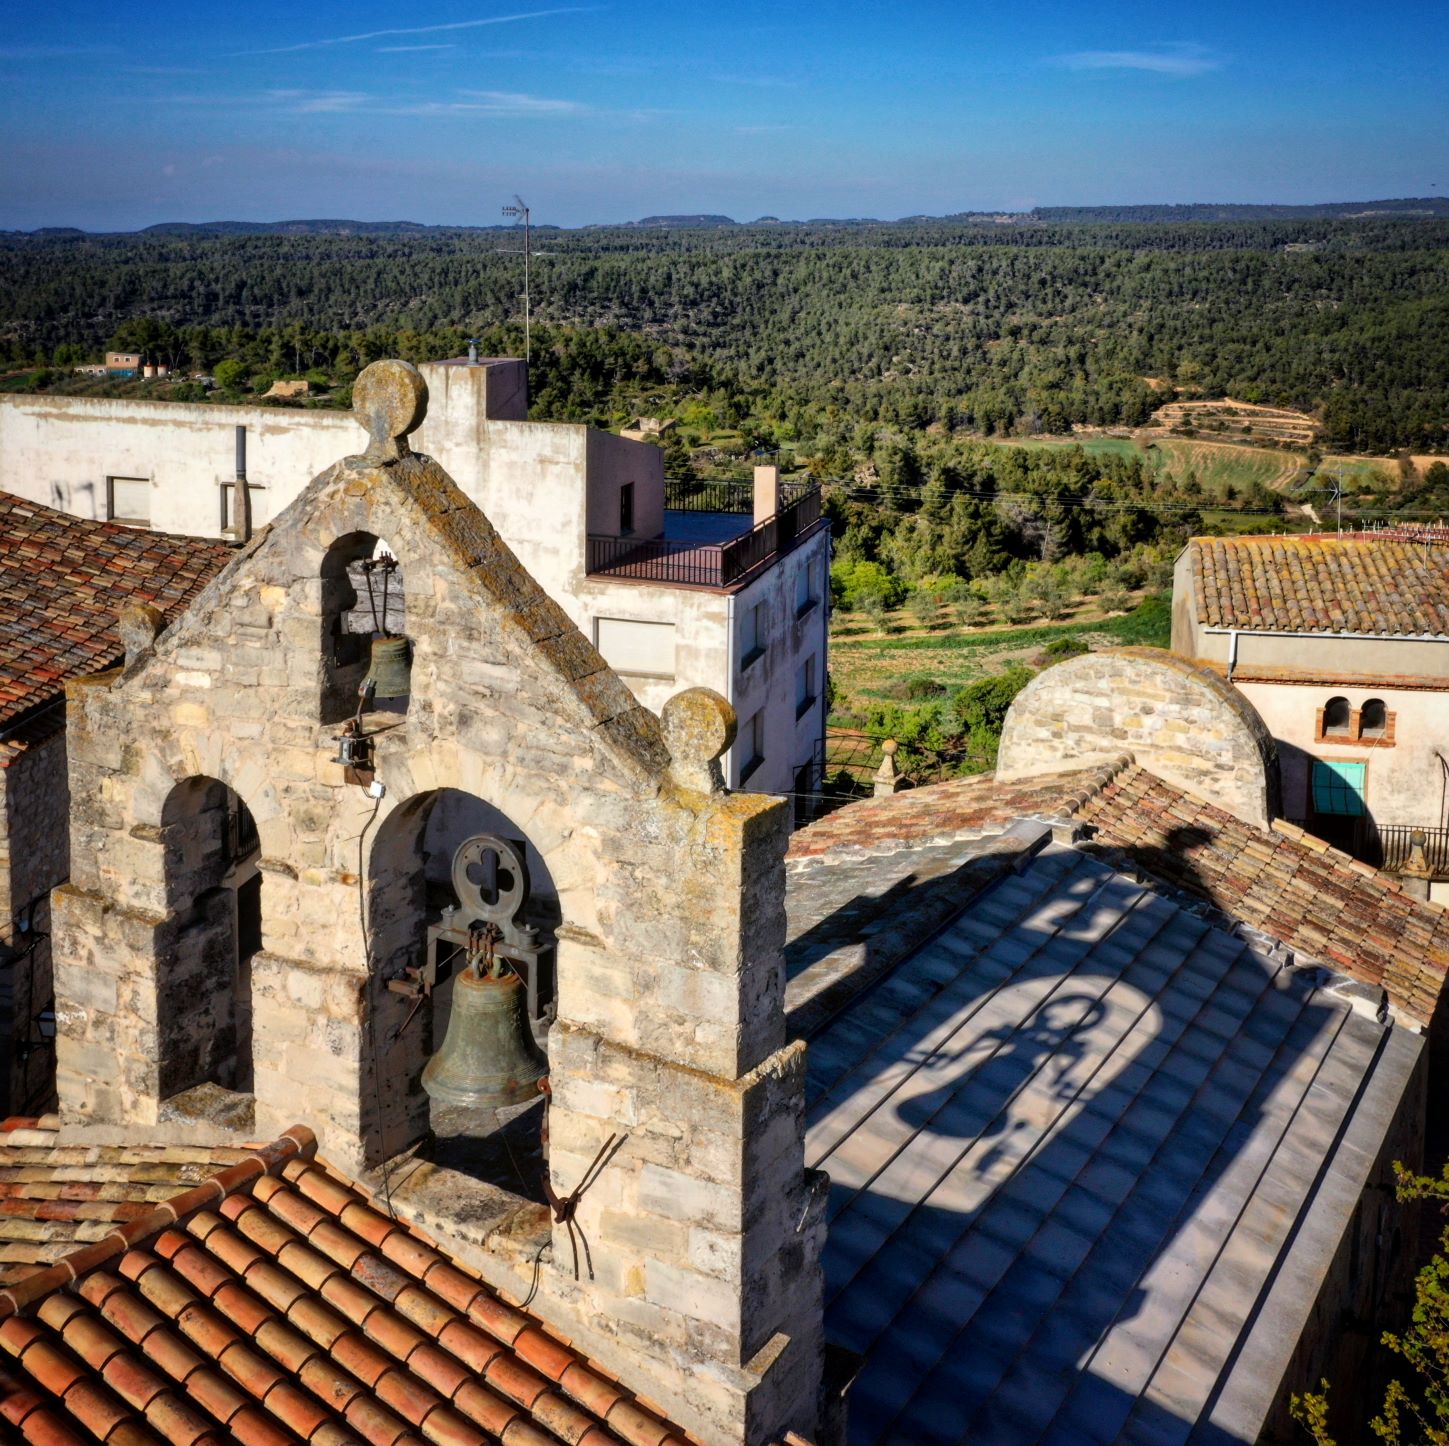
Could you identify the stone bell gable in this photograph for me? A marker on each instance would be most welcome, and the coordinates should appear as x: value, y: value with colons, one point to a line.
x: 239, y: 901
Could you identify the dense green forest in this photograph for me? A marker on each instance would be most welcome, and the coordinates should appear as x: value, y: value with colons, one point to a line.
x: 956, y: 326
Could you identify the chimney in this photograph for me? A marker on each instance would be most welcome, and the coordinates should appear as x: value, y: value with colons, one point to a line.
x: 241, y: 520
x: 767, y: 492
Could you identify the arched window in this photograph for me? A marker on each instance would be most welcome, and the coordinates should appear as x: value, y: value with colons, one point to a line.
x: 1373, y: 719
x: 362, y: 602
x: 212, y: 930
x: 1336, y: 714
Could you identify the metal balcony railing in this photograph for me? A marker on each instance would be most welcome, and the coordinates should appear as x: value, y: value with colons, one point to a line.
x: 1394, y: 843
x: 729, y: 495
x: 696, y: 564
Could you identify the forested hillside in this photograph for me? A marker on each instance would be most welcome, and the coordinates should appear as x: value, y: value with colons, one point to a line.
x: 970, y: 326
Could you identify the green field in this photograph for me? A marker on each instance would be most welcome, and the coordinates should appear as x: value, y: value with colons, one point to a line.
x: 1216, y: 466
x: 865, y: 669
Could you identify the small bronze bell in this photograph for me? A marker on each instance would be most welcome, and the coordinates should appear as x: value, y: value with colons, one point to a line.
x: 390, y: 673
x: 487, y: 1059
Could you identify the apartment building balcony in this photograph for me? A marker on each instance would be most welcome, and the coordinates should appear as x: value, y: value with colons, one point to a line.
x: 710, y: 539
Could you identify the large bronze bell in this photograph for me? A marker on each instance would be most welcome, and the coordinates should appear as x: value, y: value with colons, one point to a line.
x: 487, y: 1059
x: 390, y: 672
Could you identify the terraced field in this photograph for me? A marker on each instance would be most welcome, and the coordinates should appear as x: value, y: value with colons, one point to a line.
x: 1230, y: 420
x: 1219, y: 465
x: 1215, y: 465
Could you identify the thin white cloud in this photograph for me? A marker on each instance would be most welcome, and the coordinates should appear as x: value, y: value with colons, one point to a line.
x: 1174, y: 60
x: 483, y: 103
x: 424, y: 29
x: 320, y: 102
x: 507, y: 102
x: 409, y: 49
x: 761, y: 130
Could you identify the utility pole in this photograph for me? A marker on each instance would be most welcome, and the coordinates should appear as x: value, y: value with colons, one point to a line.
x: 519, y: 212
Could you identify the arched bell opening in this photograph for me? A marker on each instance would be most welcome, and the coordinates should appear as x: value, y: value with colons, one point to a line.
x: 364, y: 629
x: 461, y: 947
x: 204, y: 963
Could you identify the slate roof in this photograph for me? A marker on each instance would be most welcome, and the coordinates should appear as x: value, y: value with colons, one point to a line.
x: 1323, y: 584
x: 272, y: 1302
x: 1287, y: 883
x: 62, y: 581
x: 1292, y: 886
x: 1071, y: 1138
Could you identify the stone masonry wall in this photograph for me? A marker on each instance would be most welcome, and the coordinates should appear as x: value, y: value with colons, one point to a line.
x: 34, y: 858
x: 1180, y: 721
x: 704, y: 1229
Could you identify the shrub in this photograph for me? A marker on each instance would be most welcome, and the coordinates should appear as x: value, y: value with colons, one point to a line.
x: 1060, y: 648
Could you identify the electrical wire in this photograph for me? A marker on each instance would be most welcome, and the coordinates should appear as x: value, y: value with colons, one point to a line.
x: 372, y: 1010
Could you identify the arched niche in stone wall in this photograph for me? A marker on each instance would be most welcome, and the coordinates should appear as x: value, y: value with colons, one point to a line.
x: 210, y: 851
x: 408, y: 884
x: 1177, y: 718
x: 363, y: 596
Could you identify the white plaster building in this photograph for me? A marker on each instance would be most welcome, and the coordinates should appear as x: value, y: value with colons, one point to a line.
x: 737, y: 601
x: 1341, y: 642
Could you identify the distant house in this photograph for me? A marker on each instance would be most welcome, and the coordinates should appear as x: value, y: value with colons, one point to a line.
x: 643, y: 428
x: 1341, y: 642
x: 123, y: 363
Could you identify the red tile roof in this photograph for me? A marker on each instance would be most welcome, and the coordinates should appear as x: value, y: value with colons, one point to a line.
x: 1323, y: 584
x: 62, y: 582
x: 958, y: 809
x: 272, y: 1302
x: 1287, y: 883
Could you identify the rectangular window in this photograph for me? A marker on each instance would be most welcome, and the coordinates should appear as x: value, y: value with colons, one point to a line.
x: 752, y: 744
x: 1338, y: 788
x: 754, y: 634
x: 645, y: 650
x: 805, y: 597
x: 626, y: 509
x: 128, y: 499
x: 805, y: 688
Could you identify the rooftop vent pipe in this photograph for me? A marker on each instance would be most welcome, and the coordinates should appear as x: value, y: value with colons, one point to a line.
x: 242, y: 498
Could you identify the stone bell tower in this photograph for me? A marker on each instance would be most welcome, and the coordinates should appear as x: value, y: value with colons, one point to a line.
x: 239, y: 902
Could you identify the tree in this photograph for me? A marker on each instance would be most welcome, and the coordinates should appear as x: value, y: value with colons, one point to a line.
x: 230, y: 374
x: 1416, y: 1414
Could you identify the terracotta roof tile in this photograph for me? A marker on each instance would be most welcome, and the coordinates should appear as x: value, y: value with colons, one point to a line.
x: 62, y: 581
x: 269, y: 1302
x: 960, y: 808
x: 1353, y: 583
x: 1285, y: 882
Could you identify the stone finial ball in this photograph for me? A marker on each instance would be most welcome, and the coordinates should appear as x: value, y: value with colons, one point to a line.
x: 390, y: 399
x: 698, y: 726
x: 139, y: 624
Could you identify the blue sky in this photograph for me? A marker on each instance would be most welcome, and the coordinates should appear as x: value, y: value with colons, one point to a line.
x: 118, y: 115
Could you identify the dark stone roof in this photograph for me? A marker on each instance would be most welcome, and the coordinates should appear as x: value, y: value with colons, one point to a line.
x: 1293, y: 887
x: 62, y: 582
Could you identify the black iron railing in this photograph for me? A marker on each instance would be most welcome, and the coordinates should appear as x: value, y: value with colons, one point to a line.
x: 1395, y: 845
x: 725, y: 564
x: 729, y: 495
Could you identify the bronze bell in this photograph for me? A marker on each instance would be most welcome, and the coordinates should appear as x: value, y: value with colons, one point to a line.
x: 488, y: 1058
x: 389, y: 675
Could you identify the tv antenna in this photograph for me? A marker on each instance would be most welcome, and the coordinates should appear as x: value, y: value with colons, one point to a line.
x: 519, y: 211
